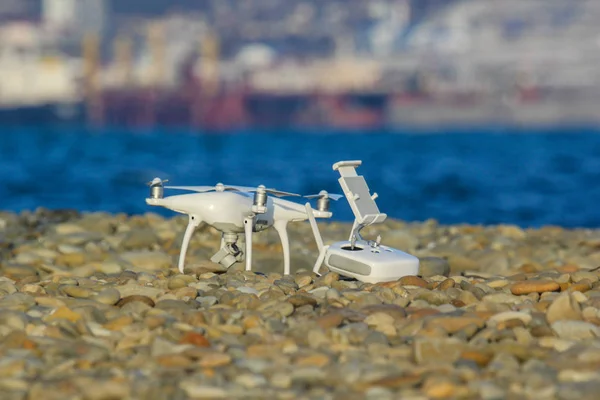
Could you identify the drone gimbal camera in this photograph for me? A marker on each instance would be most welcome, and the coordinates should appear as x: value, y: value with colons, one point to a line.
x: 365, y: 260
x: 230, y: 253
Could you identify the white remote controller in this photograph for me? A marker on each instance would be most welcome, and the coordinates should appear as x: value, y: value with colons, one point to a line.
x: 367, y: 261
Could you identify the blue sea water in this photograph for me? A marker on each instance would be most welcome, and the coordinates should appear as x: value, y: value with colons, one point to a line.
x: 480, y: 176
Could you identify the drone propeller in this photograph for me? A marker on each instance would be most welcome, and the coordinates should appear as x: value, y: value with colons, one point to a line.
x: 221, y: 188
x: 157, y: 182
x: 323, y: 194
x: 274, y: 192
x: 323, y: 199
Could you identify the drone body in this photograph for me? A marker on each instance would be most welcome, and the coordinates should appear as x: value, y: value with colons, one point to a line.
x: 236, y: 213
x: 225, y: 211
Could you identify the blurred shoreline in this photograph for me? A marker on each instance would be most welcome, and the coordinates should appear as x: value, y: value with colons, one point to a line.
x: 306, y: 113
x: 263, y: 64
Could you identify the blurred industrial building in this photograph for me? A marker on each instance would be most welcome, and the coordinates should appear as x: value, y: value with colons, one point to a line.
x: 307, y: 63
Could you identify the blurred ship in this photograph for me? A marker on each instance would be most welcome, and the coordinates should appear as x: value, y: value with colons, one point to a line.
x: 345, y: 92
x: 38, y: 85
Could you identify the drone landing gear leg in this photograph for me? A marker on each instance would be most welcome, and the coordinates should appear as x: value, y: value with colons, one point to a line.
x: 322, y: 248
x: 281, y: 228
x: 194, y: 222
x: 320, y: 260
x: 248, y: 225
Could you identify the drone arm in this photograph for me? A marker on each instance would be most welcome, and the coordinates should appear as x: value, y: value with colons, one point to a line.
x: 192, y: 224
x: 281, y: 228
x: 248, y: 225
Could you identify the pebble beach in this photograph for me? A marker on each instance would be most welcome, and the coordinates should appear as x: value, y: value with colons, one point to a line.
x: 92, y: 306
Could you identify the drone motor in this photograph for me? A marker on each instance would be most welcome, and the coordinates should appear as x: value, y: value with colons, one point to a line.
x: 157, y: 189
x: 260, y: 200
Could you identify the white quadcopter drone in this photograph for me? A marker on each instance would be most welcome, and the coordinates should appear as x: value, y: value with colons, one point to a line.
x: 239, y: 211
